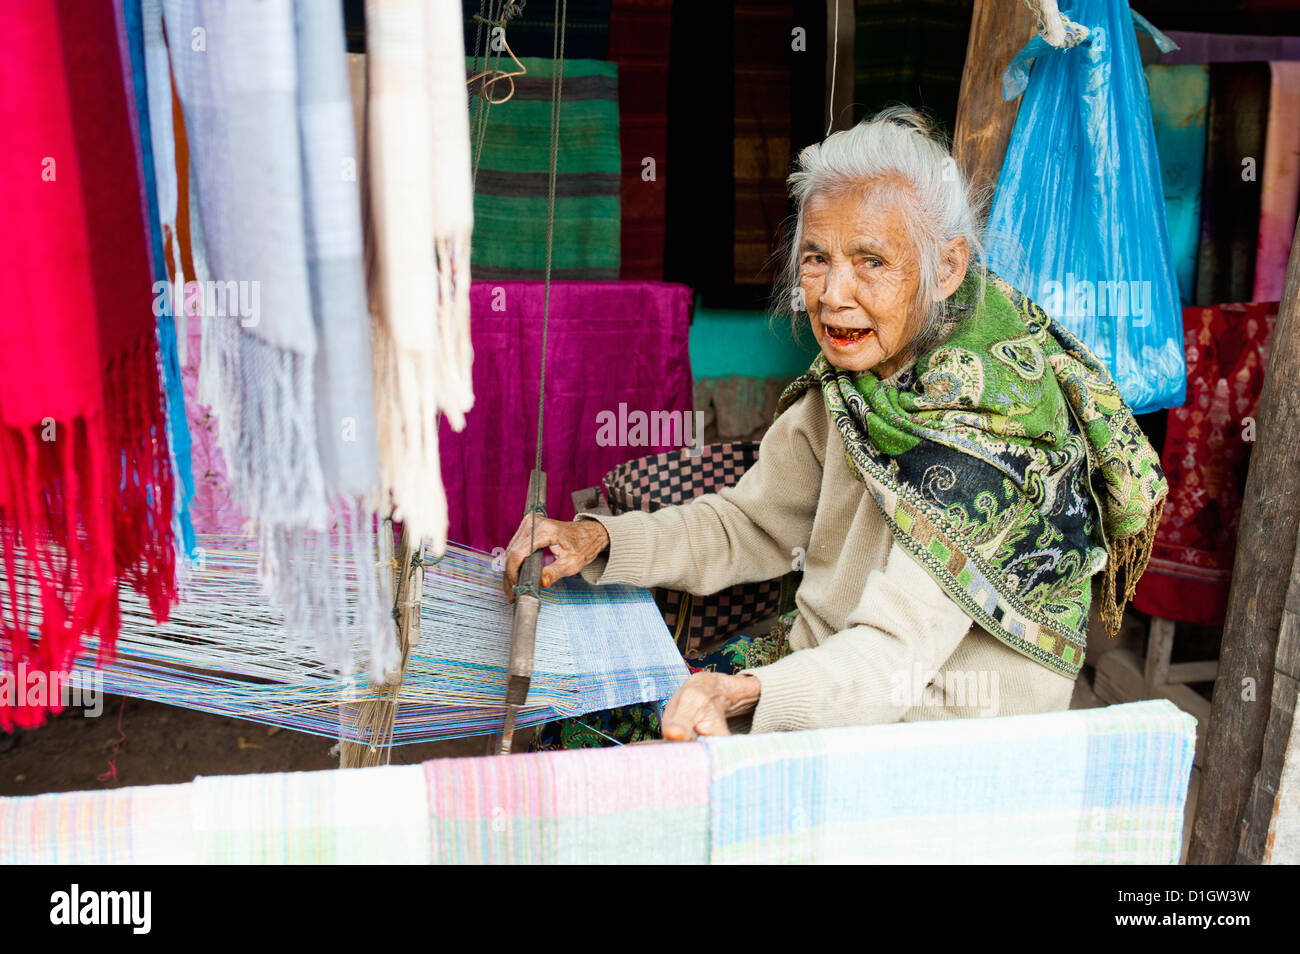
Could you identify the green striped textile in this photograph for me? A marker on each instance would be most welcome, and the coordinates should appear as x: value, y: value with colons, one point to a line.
x: 510, y: 189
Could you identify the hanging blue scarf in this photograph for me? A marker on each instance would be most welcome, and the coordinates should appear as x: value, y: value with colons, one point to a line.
x: 178, y: 433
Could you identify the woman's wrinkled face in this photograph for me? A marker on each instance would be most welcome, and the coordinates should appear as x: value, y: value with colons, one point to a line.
x: 859, y: 274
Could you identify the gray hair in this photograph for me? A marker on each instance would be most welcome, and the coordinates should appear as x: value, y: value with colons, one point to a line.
x: 939, y: 205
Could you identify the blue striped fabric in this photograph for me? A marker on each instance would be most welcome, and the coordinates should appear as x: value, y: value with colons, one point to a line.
x: 1090, y: 786
x: 178, y: 433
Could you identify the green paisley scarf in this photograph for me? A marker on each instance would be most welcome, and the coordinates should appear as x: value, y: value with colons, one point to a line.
x: 1007, y: 464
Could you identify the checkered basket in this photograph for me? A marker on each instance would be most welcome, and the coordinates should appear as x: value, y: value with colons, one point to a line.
x: 675, y: 477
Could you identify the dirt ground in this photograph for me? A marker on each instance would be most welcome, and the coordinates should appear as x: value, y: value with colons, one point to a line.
x: 160, y: 744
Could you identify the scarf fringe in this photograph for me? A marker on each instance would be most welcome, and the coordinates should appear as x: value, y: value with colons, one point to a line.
x: 331, y: 592
x: 1127, y: 562
x: 144, y: 541
x: 455, y: 383
x: 264, y: 401
x: 412, y: 387
x: 407, y: 410
x: 56, y: 540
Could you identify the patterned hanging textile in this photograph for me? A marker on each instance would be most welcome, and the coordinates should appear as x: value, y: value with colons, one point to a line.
x: 1206, y: 454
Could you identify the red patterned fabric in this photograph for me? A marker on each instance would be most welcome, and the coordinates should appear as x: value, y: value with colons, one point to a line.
x: 85, y: 479
x: 1207, y: 452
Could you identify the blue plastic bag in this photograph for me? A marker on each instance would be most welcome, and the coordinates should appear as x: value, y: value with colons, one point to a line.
x: 1078, y: 222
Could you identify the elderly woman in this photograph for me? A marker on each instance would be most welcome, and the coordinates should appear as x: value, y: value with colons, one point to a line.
x: 952, y: 470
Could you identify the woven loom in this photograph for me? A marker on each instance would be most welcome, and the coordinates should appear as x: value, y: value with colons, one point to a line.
x: 221, y: 652
x: 1091, y: 786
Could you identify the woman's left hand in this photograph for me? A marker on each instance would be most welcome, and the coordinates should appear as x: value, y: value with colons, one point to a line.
x: 704, y: 703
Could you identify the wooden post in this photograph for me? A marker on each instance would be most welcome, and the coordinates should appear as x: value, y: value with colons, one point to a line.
x: 1257, y: 825
x: 998, y: 29
x: 375, y: 715
x: 1226, y: 821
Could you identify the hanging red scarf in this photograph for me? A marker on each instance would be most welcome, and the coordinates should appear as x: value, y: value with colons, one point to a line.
x: 85, y: 478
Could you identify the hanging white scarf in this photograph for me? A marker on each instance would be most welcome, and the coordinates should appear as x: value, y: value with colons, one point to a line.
x: 423, y: 214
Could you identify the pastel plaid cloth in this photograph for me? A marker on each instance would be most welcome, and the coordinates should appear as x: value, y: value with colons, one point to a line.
x: 148, y: 825
x: 361, y: 816
x: 642, y: 803
x: 1104, y: 786
x: 1098, y: 786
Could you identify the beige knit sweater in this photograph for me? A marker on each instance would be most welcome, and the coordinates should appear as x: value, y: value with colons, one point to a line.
x: 876, y: 639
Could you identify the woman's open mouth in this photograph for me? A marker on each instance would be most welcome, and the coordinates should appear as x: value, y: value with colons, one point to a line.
x: 843, y: 337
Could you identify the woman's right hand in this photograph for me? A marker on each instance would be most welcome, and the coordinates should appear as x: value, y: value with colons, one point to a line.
x: 573, y: 543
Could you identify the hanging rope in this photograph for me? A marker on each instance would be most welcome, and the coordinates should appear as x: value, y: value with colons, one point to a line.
x: 536, y: 505
x: 1054, y: 26
x: 492, y: 14
x: 835, y: 61
x: 493, y: 75
x: 527, y: 602
x: 482, y: 103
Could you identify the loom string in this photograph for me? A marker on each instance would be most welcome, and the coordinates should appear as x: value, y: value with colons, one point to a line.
x: 479, y: 20
x: 493, y: 15
x: 493, y: 75
x: 482, y: 104
x: 598, y: 732
x: 835, y: 58
x: 537, y: 506
x: 215, y: 659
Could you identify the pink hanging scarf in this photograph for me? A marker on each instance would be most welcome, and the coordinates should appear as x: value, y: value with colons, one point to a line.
x: 85, y: 481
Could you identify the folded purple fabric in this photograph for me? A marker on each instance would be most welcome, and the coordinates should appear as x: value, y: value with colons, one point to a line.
x: 610, y: 344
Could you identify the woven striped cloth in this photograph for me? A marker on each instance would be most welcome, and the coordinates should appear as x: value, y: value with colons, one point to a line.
x: 1102, y: 786
x: 510, y: 189
x: 642, y: 803
x: 1095, y: 786
x: 124, y: 826
x: 362, y: 816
